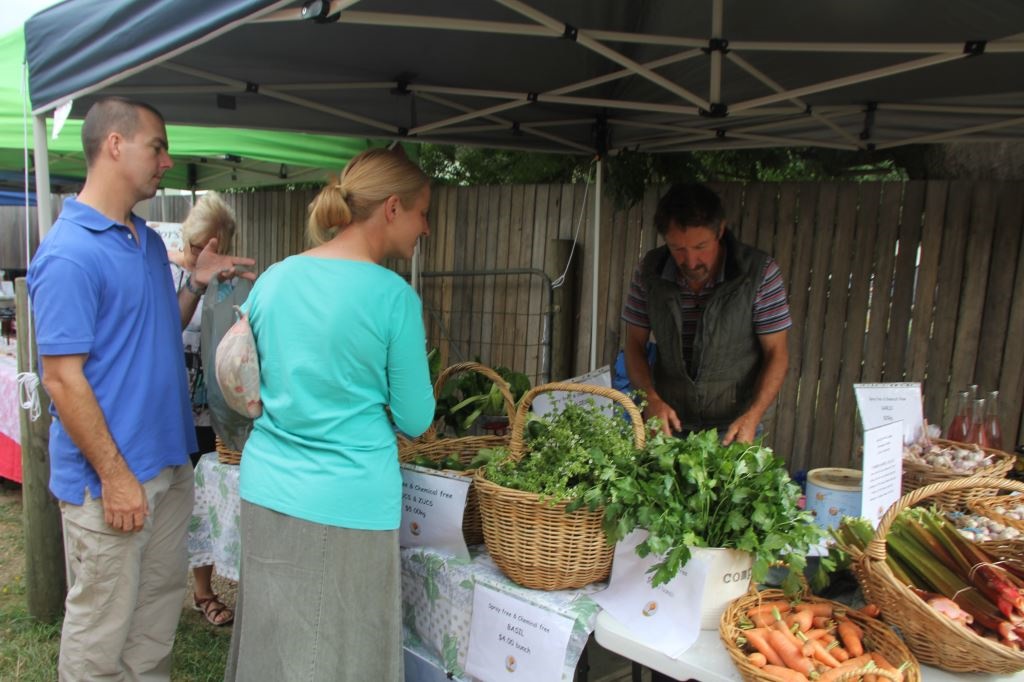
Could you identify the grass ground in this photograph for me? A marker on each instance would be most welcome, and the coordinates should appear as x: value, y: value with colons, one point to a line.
x: 28, y: 649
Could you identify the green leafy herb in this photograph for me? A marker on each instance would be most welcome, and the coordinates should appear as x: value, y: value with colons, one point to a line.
x: 695, y: 492
x: 565, y: 450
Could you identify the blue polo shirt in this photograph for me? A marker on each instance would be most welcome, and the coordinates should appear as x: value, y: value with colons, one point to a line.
x: 96, y: 291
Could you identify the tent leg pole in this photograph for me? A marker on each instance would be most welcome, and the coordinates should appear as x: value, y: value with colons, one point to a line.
x: 43, y: 200
x: 594, y: 274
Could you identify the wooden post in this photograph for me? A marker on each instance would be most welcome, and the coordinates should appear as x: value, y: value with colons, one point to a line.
x: 563, y: 332
x: 45, y: 580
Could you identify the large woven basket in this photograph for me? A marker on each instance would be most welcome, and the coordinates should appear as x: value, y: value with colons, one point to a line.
x: 877, y: 636
x: 989, y: 507
x: 534, y: 542
x: 934, y: 638
x: 465, y: 447
x: 226, y: 455
x: 916, y: 475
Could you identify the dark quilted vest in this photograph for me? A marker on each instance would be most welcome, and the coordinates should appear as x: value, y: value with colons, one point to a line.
x: 726, y: 352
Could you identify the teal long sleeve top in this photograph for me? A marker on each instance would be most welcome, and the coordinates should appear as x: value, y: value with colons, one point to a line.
x: 338, y: 342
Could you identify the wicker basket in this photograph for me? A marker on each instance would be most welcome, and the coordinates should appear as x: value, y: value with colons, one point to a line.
x: 877, y: 636
x: 534, y: 542
x: 226, y: 455
x: 934, y: 639
x: 465, y: 447
x: 917, y: 475
x: 987, y: 507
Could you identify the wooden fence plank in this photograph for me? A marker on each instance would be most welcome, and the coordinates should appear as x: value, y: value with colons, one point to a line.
x: 844, y: 433
x: 835, y: 323
x: 582, y: 204
x: 790, y: 399
x: 996, y: 336
x: 947, y: 300
x: 901, y: 309
x: 812, y: 348
x: 881, y: 288
x: 972, y: 285
x: 614, y: 264
x: 782, y: 252
x: 927, y: 276
x: 1011, y: 381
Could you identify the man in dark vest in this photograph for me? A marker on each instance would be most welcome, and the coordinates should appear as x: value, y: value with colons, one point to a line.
x: 719, y: 313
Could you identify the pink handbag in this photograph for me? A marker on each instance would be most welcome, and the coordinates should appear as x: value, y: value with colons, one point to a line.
x: 238, y: 368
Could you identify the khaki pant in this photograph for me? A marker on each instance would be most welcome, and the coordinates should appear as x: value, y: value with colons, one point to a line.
x: 123, y: 609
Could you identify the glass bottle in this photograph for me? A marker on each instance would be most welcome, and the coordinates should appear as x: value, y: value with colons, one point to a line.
x: 960, y: 426
x: 977, y: 435
x: 993, y: 429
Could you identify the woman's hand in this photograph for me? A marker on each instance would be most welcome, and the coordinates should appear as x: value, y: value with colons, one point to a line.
x: 210, y: 264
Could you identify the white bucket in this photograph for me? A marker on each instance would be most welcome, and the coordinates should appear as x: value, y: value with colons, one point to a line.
x: 833, y: 493
x: 728, y: 578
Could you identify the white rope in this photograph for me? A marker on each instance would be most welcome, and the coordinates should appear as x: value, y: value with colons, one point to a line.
x: 560, y: 280
x: 28, y: 394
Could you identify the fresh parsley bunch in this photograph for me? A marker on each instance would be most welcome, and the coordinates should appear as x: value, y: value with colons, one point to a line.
x: 564, y: 451
x: 695, y: 492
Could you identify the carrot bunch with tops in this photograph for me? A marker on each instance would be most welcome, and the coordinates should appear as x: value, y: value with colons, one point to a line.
x: 801, y: 641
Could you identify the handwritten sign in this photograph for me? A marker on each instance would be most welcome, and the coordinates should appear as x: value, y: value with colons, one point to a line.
x: 432, y: 506
x: 883, y: 470
x: 662, y: 617
x: 549, y: 402
x: 881, y: 404
x: 510, y: 639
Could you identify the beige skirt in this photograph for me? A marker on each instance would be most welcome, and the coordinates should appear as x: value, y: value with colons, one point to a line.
x: 315, y: 602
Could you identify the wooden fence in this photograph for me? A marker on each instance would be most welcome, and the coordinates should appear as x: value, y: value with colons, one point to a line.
x: 918, y: 281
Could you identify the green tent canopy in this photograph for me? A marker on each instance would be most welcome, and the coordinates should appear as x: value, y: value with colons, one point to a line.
x: 204, y: 158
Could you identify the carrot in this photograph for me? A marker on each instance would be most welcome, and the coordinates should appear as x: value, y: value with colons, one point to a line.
x: 804, y: 618
x: 822, y: 622
x: 816, y: 609
x: 871, y: 610
x: 819, y: 653
x: 782, y: 627
x: 789, y: 653
x: 766, y: 607
x: 852, y: 664
x: 838, y: 652
x: 818, y: 633
x: 762, y: 620
x: 757, y: 659
x: 759, y: 640
x: 784, y: 674
x: 851, y: 635
x: 881, y: 661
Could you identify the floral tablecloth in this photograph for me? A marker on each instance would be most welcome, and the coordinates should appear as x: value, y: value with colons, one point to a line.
x: 10, y: 426
x: 437, y: 590
x: 437, y: 605
x: 213, y: 536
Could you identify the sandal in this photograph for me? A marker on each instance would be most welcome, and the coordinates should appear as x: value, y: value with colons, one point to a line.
x: 212, y: 608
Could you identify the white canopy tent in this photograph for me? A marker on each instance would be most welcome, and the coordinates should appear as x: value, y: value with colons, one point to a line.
x: 559, y: 76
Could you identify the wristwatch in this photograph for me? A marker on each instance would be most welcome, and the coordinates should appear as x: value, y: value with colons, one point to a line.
x: 192, y: 288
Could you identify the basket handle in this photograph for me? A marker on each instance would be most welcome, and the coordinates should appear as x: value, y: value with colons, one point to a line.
x: 857, y: 673
x: 516, y: 446
x: 459, y: 368
x: 876, y: 547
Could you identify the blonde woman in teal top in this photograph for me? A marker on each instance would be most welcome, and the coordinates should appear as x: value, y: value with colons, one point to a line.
x: 340, y: 339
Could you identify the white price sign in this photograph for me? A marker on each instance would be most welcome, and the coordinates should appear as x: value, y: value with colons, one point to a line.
x: 510, y: 639
x: 881, y: 404
x: 433, y: 503
x: 882, y: 483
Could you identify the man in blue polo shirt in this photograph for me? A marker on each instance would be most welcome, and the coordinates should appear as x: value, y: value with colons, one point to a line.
x: 108, y: 327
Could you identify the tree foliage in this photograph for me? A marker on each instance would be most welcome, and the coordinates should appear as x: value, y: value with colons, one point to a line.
x: 629, y: 173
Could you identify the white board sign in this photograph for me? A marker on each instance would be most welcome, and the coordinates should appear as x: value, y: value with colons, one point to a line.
x: 882, y: 482
x: 548, y: 402
x: 881, y: 404
x: 510, y: 639
x: 433, y: 503
x: 661, y: 617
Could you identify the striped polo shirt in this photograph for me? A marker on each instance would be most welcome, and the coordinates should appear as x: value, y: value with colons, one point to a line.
x: 771, y: 305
